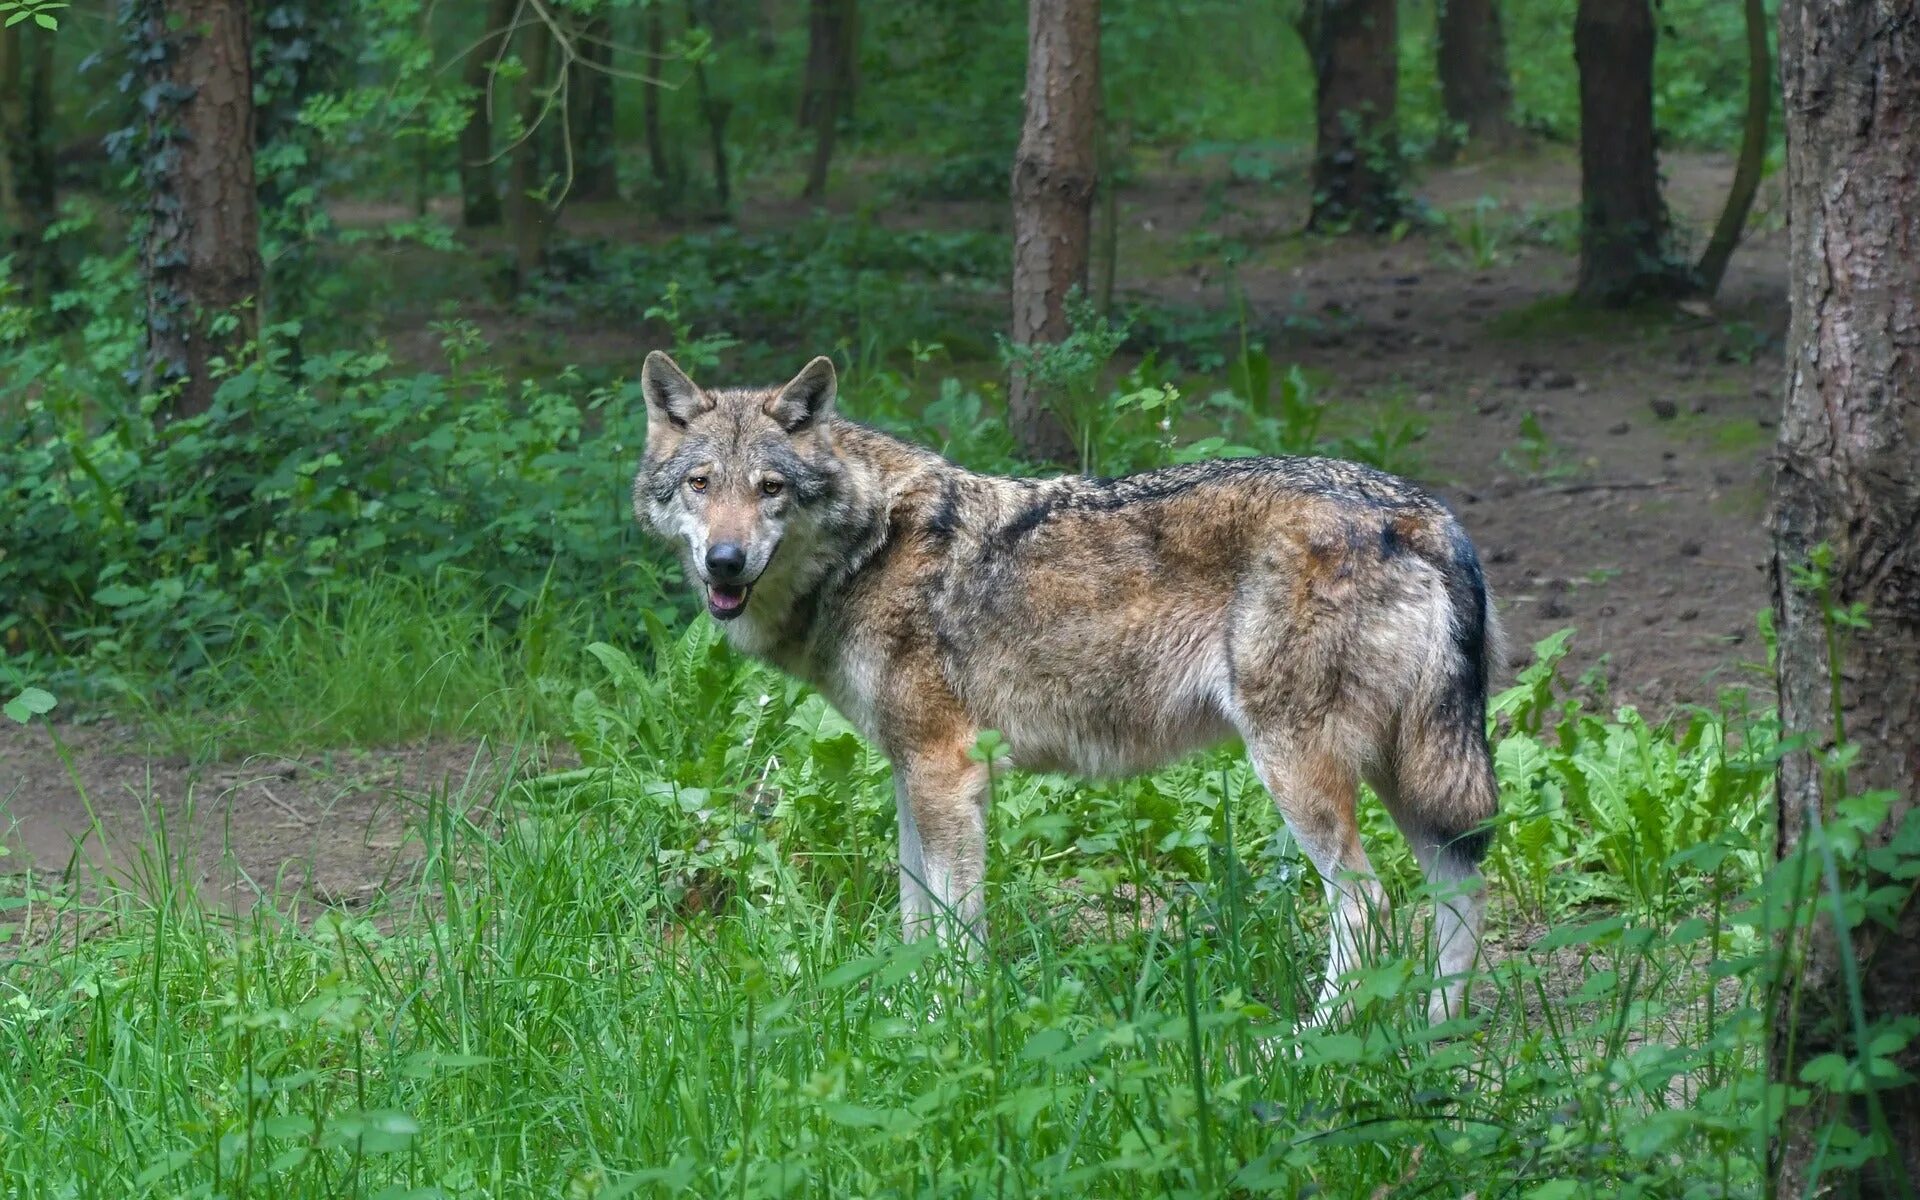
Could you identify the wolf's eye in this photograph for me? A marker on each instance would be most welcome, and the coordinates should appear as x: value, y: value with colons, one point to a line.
x: 771, y: 487
x: 697, y: 482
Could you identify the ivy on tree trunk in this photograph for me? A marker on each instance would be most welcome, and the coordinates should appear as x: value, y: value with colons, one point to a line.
x: 1354, y: 48
x: 200, y: 239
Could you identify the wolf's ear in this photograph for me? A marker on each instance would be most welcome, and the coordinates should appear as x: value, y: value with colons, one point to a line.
x: 807, y: 399
x: 670, y: 394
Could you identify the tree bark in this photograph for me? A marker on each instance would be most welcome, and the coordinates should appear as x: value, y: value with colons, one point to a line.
x: 1472, y: 60
x: 27, y: 183
x: 590, y: 123
x: 1354, y: 48
x: 479, y: 201
x: 527, y: 207
x: 1753, y: 157
x: 1054, y: 177
x: 1845, y: 479
x: 201, y: 250
x: 1624, y: 251
x: 826, y: 94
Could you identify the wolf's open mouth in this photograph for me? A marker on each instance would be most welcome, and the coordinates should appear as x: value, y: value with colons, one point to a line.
x: 726, y: 603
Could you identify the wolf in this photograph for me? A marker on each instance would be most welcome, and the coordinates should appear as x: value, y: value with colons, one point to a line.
x: 1332, y: 616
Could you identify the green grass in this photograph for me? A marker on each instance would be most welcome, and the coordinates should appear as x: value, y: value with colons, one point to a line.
x: 386, y: 660
x: 675, y: 971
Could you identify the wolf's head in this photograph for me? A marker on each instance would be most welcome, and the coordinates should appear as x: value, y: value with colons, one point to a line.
x: 730, y: 475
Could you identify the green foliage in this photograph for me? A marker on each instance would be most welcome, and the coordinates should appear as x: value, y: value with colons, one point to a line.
x: 823, y: 284
x: 1617, y: 811
x: 129, y: 554
x: 674, y: 968
x: 40, y: 12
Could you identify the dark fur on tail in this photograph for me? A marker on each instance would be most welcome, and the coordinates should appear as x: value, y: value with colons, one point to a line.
x: 1459, y: 820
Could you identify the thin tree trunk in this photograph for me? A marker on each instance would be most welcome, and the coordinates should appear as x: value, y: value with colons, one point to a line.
x: 824, y: 94
x: 1845, y: 480
x: 479, y: 201
x: 1054, y: 177
x: 201, y: 249
x: 591, y: 122
x: 1354, y: 48
x: 832, y: 69
x: 650, y: 100
x: 715, y: 109
x: 1624, y: 252
x: 27, y: 183
x: 527, y: 205
x: 1472, y: 60
x: 1753, y: 157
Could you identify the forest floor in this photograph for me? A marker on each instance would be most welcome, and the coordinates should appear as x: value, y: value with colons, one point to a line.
x: 1613, y: 470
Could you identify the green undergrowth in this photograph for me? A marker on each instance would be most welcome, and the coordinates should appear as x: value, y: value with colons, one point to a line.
x: 675, y: 971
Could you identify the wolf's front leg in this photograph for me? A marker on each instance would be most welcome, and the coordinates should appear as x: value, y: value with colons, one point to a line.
x: 941, y: 795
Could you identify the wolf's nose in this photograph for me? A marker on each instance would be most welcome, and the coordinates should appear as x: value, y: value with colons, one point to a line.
x: 725, y: 562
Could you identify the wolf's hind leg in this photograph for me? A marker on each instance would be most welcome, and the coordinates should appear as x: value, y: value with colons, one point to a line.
x: 1315, y: 790
x: 916, y: 902
x: 1441, y: 793
x: 942, y: 798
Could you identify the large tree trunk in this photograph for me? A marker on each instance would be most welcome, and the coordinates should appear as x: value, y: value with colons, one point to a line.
x: 1846, y: 479
x: 826, y: 93
x: 590, y: 123
x: 1624, y: 255
x: 527, y: 206
x: 1354, y: 48
x: 1053, y: 184
x: 1472, y: 61
x: 201, y: 250
x: 26, y: 156
x: 1753, y: 157
x: 479, y: 201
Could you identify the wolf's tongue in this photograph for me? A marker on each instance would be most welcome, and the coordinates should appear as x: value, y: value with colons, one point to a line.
x: 727, y: 598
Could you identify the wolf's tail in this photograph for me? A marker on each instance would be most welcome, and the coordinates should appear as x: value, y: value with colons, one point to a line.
x: 1444, y: 765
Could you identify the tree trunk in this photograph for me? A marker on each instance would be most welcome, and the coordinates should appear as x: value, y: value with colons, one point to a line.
x: 715, y: 109
x: 1624, y: 253
x: 479, y: 201
x: 832, y: 71
x: 1053, y: 184
x: 527, y: 206
x: 826, y: 93
x: 590, y: 123
x: 1845, y: 479
x: 27, y: 199
x: 650, y: 100
x: 201, y: 250
x: 1753, y: 157
x: 1354, y: 48
x: 1472, y: 60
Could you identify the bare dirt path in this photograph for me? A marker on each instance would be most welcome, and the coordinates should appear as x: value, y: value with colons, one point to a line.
x: 82, y: 805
